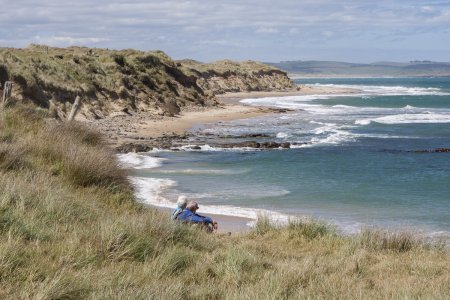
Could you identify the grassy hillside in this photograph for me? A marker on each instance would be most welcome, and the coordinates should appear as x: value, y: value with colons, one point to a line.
x: 110, y: 80
x: 71, y: 229
x: 230, y: 76
x: 334, y: 68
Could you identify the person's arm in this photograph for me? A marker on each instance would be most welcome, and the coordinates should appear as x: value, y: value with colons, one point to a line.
x: 200, y: 219
x: 175, y: 213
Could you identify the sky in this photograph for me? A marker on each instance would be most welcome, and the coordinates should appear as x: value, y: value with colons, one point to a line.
x: 208, y: 30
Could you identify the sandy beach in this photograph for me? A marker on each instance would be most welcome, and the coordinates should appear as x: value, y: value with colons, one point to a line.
x: 187, y: 120
x: 123, y: 128
x: 231, y: 109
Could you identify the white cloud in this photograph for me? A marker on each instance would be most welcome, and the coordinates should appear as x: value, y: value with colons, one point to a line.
x: 142, y: 23
x: 328, y: 33
x: 67, y: 40
x: 265, y: 30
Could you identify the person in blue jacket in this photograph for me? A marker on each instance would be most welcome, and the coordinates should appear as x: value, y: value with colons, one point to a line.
x: 189, y: 215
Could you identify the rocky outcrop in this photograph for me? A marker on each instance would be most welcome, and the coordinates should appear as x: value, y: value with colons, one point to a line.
x: 256, y: 145
x: 437, y: 150
x: 111, y: 81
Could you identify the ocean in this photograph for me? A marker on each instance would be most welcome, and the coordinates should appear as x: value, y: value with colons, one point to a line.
x: 354, y: 162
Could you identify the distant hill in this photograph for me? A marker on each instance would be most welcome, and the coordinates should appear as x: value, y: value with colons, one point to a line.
x: 335, y: 68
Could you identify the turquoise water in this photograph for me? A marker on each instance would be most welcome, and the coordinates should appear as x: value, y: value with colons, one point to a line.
x: 352, y: 164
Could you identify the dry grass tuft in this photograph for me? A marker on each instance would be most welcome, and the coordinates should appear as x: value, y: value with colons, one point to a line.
x: 397, y: 241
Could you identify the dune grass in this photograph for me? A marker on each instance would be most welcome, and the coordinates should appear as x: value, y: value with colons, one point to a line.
x: 70, y: 229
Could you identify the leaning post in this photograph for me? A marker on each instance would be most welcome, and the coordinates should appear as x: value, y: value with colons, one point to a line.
x: 7, y: 89
x: 74, y: 110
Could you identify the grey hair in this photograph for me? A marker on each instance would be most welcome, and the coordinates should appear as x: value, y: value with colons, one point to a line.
x: 182, y: 201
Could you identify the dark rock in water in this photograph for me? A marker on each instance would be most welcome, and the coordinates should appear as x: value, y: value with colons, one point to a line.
x: 249, y: 144
x: 437, y: 150
x: 253, y: 135
x: 131, y: 147
x: 258, y: 135
x: 196, y: 148
x: 284, y: 110
x: 270, y: 145
x: 256, y: 145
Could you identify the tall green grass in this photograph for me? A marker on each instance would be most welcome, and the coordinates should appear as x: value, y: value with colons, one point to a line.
x: 70, y: 229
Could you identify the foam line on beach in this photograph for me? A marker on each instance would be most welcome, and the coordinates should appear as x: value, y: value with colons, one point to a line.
x: 139, y: 161
x: 387, y: 90
x: 424, y: 118
x: 149, y: 191
x: 204, y: 171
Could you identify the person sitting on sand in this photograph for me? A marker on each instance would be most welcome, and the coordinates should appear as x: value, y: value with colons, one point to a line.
x: 181, y: 205
x: 189, y: 215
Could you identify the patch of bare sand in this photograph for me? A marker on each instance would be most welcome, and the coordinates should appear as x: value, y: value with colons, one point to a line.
x: 187, y: 120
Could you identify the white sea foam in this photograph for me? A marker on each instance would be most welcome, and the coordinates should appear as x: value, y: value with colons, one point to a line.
x: 315, y: 109
x: 291, y: 102
x: 422, y: 118
x: 149, y: 190
x: 282, y: 135
x: 368, y: 90
x: 208, y: 148
x: 344, y: 106
x: 328, y: 127
x: 336, y: 137
x: 365, y: 91
x: 245, y: 192
x: 205, y: 171
x: 139, y: 161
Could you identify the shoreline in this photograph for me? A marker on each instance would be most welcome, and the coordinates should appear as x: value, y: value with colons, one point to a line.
x: 121, y: 128
x: 230, y: 109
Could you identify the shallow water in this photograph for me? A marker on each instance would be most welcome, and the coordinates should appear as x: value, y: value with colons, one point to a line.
x: 352, y: 164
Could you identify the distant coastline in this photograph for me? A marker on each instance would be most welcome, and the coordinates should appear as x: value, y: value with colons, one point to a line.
x: 295, y: 76
x: 336, y: 69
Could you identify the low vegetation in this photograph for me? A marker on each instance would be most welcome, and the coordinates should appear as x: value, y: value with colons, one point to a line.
x: 70, y: 228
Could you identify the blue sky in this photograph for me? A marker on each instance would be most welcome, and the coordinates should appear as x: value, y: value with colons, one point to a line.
x: 207, y: 30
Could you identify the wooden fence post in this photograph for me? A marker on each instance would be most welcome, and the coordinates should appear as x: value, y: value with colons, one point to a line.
x: 74, y: 110
x: 7, y: 89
